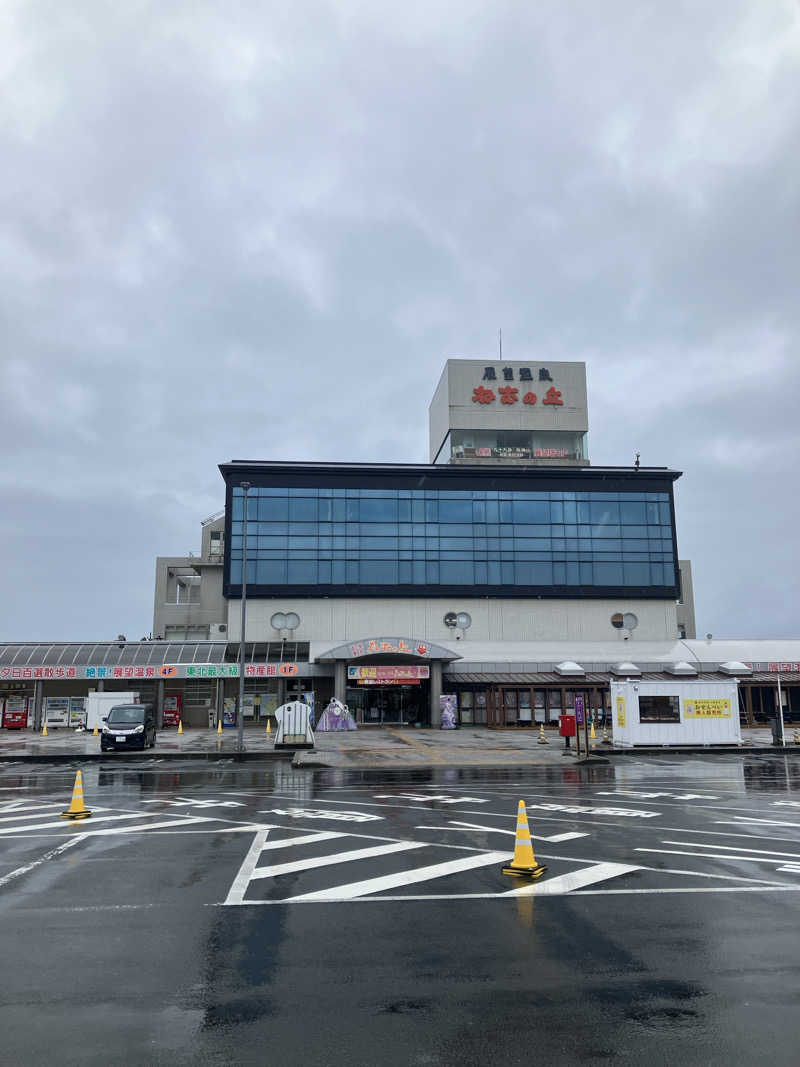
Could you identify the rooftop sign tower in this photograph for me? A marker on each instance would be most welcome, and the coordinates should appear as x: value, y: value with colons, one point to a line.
x: 519, y: 413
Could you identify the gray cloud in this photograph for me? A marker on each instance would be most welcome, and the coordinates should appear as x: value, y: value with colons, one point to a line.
x: 259, y: 231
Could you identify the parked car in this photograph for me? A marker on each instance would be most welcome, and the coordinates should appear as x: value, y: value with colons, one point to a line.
x: 129, y: 726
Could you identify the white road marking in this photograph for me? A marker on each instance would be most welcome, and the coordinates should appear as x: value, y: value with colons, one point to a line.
x: 442, y: 798
x: 313, y: 813
x: 19, y: 807
x: 737, y: 820
x: 182, y: 802
x: 311, y: 863
x: 42, y: 859
x: 242, y: 879
x: 567, y: 883
x: 145, y: 827
x: 463, y: 826
x: 706, y: 855
x: 6, y: 830
x: 410, y: 877
x: 561, y: 837
x: 653, y: 796
x: 286, y: 842
x: 731, y: 848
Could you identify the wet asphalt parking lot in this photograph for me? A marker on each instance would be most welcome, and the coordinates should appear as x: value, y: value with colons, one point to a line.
x: 219, y: 913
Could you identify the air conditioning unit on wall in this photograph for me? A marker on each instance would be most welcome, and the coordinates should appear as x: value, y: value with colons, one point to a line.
x: 218, y: 631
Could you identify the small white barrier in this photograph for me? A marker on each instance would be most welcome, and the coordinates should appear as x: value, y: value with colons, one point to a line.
x: 294, y: 725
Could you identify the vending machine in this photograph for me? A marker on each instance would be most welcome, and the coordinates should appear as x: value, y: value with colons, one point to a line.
x: 15, y: 712
x: 56, y: 711
x: 77, y: 712
x: 173, y: 709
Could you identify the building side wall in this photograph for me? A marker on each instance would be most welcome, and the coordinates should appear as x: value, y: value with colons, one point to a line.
x: 438, y: 415
x: 687, y: 627
x: 210, y: 608
x: 344, y: 619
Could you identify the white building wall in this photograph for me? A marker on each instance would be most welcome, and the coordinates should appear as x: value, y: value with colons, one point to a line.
x: 345, y: 619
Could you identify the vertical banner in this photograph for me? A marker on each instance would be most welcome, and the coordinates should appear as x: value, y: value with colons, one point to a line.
x: 449, y: 706
x: 621, y: 712
x: 579, y: 709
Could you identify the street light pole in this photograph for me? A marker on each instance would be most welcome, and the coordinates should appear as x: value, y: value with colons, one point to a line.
x: 240, y: 724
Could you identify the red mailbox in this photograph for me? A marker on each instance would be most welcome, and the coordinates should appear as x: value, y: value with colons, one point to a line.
x: 566, y: 725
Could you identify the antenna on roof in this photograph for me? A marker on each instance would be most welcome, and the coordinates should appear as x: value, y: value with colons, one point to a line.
x: 636, y: 462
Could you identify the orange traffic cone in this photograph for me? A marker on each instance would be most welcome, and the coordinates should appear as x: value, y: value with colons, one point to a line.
x: 180, y: 726
x: 524, y: 864
x: 77, y: 808
x: 219, y: 727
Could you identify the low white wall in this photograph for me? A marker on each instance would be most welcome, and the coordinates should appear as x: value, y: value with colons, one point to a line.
x: 691, y: 730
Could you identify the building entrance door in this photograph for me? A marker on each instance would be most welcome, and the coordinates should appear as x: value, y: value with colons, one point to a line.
x: 388, y: 705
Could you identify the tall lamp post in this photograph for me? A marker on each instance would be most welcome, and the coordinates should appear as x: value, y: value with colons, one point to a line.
x: 240, y: 723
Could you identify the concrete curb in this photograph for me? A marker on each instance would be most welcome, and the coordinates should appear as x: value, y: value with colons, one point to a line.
x: 94, y: 757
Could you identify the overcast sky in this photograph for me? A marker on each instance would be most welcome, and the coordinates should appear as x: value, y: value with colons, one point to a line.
x: 257, y: 230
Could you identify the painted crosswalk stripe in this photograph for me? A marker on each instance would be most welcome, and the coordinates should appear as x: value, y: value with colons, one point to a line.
x: 409, y: 877
x: 311, y: 863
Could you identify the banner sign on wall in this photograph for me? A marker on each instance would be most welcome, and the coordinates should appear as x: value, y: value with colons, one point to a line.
x: 389, y: 673
x: 706, y: 709
x: 165, y: 670
x: 382, y: 645
x: 621, y: 712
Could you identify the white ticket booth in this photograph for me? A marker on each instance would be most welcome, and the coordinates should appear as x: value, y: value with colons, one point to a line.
x: 675, y: 713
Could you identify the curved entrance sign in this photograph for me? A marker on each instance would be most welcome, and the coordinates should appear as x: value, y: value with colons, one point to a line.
x: 388, y: 646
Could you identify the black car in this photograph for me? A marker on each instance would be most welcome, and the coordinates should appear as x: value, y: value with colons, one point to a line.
x: 129, y: 726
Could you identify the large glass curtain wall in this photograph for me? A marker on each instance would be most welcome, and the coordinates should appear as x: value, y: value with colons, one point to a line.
x: 427, y: 538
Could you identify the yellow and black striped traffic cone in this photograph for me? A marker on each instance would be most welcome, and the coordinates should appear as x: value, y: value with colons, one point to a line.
x: 77, y: 808
x: 524, y: 864
x: 542, y: 739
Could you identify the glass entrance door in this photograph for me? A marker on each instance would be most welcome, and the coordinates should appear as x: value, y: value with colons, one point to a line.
x: 388, y: 705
